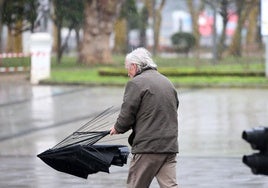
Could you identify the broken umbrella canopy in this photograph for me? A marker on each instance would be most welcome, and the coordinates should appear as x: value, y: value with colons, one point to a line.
x: 79, y: 155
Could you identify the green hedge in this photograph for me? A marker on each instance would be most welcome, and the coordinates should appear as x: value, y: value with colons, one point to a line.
x: 177, y: 72
x: 183, y: 41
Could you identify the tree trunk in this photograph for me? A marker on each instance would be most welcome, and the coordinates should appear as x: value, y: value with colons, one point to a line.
x: 155, y: 13
x: 59, y: 26
x: 157, y: 24
x: 1, y: 46
x: 10, y: 40
x: 143, y: 26
x: 120, y: 32
x: 18, y: 37
x: 235, y: 47
x: 77, y: 37
x: 244, y: 8
x: 252, y: 31
x: 224, y: 14
x: 55, y: 38
x: 194, y: 12
x: 100, y: 16
x: 1, y: 27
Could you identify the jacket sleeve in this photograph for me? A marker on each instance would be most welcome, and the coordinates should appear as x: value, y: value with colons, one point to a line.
x: 131, y: 102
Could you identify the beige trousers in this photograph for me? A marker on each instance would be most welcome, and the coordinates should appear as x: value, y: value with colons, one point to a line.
x: 144, y: 167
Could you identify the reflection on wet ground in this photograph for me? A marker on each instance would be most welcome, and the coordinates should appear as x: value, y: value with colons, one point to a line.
x: 35, y: 118
x: 212, y: 120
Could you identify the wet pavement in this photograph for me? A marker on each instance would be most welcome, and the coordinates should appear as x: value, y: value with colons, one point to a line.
x: 35, y: 118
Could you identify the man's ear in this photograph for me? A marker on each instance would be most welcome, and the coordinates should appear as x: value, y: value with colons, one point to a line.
x: 136, y: 67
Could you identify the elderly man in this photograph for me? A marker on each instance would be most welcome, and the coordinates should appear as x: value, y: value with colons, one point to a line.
x: 149, y: 108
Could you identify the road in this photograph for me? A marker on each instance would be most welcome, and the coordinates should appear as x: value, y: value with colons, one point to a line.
x: 34, y: 118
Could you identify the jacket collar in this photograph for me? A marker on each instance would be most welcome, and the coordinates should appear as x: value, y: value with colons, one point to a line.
x: 144, y: 69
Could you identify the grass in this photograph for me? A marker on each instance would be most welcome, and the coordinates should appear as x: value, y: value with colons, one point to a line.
x: 15, y: 62
x: 234, y: 80
x: 84, y: 76
x: 69, y: 72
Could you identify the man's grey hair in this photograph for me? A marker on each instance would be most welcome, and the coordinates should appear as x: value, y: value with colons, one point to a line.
x: 142, y: 58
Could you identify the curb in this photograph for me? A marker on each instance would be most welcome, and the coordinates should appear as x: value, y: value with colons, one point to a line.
x: 177, y: 85
x: 222, y: 85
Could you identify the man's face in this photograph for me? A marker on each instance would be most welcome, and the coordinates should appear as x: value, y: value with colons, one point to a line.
x: 131, y: 69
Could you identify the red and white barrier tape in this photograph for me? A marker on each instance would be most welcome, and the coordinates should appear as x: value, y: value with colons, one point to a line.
x: 19, y: 55
x: 13, y: 55
x: 14, y: 69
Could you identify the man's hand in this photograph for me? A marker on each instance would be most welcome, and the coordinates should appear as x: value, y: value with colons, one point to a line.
x: 113, y: 131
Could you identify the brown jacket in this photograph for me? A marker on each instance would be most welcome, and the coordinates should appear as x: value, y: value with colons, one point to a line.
x: 149, y: 107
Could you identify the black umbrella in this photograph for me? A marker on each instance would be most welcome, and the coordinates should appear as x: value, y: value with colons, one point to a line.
x: 79, y: 155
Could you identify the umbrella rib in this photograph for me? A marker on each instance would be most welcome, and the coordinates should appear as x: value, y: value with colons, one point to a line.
x: 88, y: 132
x: 89, y: 141
x: 69, y: 138
x: 92, y: 121
x: 94, y: 140
x: 79, y: 155
x: 94, y: 124
x: 115, y: 139
x: 97, y: 123
x: 104, y: 124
